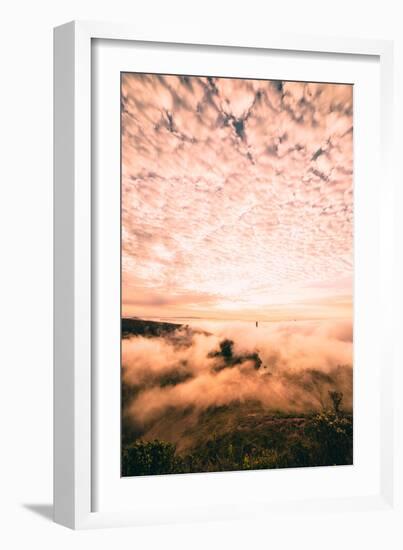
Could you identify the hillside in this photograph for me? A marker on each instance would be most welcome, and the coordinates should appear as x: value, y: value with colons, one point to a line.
x: 192, y: 402
x: 141, y: 327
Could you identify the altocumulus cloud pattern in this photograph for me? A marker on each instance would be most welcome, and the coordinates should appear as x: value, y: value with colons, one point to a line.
x: 236, y: 195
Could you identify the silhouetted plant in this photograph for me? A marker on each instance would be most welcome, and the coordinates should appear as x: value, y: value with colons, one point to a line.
x: 336, y: 398
x: 332, y: 435
x: 148, y: 458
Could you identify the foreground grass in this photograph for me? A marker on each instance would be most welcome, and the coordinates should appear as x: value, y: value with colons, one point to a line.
x: 255, y: 442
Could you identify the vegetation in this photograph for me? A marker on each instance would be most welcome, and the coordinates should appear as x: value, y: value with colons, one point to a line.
x: 146, y: 458
x: 235, y: 436
x: 226, y: 353
x: 139, y: 327
x: 279, y: 441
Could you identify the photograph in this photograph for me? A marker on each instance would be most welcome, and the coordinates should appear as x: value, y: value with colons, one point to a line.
x: 236, y: 274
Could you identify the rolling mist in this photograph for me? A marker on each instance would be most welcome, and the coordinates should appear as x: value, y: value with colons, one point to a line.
x: 171, y: 379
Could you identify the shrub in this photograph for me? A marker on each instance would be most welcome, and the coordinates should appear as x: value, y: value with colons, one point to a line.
x: 332, y: 435
x: 148, y: 458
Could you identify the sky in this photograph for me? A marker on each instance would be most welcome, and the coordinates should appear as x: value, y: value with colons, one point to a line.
x: 237, y: 198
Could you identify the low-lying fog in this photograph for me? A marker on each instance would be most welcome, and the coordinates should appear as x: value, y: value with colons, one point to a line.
x: 287, y: 366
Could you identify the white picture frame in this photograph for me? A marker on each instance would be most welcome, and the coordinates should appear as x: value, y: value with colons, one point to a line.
x: 75, y: 391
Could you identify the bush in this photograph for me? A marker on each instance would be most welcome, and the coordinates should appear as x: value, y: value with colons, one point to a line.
x: 148, y: 458
x: 323, y: 439
x: 332, y: 435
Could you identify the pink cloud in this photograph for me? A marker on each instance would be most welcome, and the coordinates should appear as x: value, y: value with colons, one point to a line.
x: 237, y: 190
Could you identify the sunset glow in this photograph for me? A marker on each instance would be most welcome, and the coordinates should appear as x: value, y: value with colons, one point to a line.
x: 237, y: 199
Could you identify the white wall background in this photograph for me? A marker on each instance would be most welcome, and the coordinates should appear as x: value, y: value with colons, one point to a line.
x: 26, y: 267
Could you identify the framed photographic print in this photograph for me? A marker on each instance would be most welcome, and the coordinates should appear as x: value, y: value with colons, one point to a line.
x: 222, y: 287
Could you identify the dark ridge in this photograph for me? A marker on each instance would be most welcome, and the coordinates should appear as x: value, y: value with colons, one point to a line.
x: 141, y: 327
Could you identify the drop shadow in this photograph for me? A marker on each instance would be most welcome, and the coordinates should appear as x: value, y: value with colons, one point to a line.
x: 43, y: 510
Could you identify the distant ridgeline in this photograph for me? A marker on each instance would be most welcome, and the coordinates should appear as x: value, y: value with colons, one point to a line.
x: 141, y: 327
